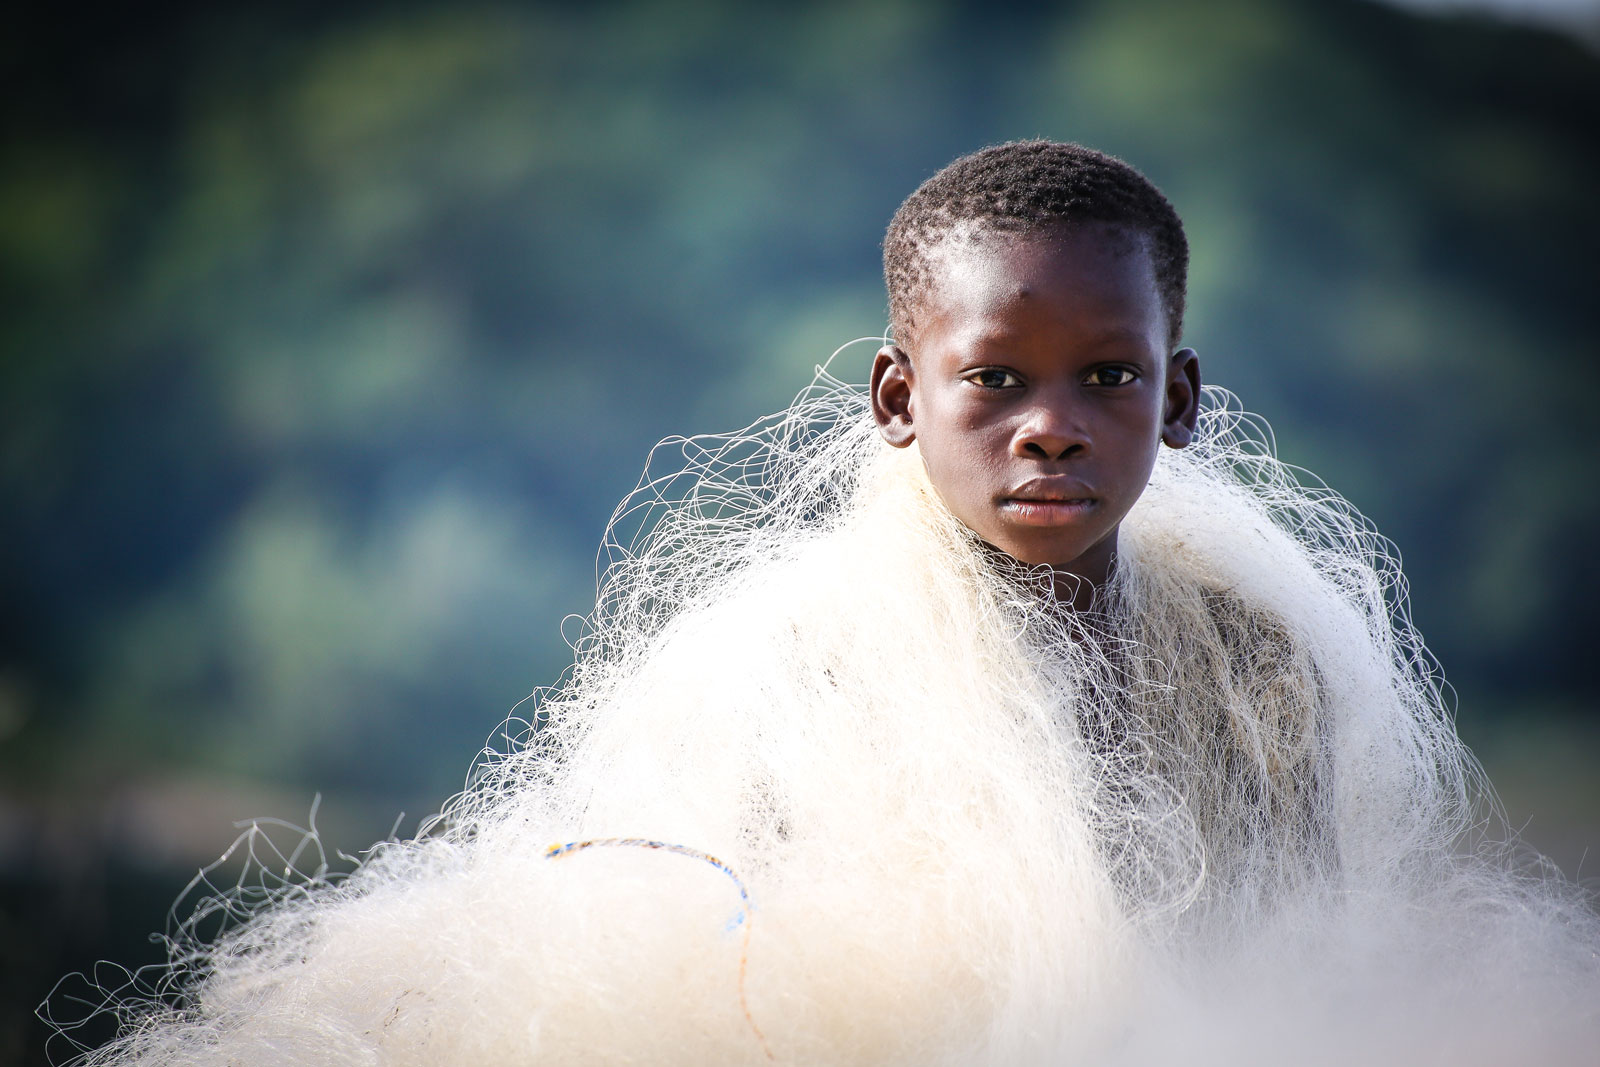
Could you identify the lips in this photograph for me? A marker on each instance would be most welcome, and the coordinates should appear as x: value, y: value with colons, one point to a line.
x: 1050, y: 490
x: 1047, y: 502
x: 1046, y: 512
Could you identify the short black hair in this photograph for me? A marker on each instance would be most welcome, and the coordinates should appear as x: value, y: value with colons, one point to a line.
x: 1025, y: 187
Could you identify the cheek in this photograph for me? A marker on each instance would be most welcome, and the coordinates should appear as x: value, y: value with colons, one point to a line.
x: 1135, y: 476
x: 959, y: 479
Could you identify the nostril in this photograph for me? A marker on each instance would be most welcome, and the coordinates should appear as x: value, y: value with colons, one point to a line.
x: 1055, y: 452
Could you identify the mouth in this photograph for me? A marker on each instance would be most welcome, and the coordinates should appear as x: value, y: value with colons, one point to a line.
x: 1047, y: 502
x: 1038, y: 511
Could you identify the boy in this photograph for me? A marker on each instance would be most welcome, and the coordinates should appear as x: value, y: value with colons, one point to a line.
x: 1022, y: 740
x: 1050, y: 366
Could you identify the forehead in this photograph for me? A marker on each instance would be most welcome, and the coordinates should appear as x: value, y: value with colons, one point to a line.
x: 1094, y: 277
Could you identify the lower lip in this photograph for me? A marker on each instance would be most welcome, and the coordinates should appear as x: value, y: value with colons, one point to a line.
x: 1046, y: 512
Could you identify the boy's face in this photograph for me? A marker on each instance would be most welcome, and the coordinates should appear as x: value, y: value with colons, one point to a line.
x: 1038, y: 390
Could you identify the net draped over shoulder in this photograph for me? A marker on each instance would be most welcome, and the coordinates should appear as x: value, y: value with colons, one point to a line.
x: 963, y: 824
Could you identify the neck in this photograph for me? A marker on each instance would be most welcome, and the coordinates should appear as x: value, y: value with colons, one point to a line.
x: 1075, y: 586
x: 1079, y: 583
x: 1075, y: 590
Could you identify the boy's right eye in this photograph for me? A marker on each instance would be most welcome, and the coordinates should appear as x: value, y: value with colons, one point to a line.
x: 994, y: 378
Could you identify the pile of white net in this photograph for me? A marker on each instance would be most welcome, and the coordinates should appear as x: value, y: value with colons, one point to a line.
x: 842, y: 786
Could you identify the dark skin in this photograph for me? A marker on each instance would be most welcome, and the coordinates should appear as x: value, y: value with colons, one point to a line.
x: 1038, y: 387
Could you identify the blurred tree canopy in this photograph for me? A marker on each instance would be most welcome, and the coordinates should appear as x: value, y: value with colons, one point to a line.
x: 330, y: 334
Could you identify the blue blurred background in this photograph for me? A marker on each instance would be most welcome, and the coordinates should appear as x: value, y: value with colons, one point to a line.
x: 332, y: 333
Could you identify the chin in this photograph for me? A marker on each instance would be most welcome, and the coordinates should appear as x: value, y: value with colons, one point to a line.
x: 1040, y: 556
x: 1075, y: 555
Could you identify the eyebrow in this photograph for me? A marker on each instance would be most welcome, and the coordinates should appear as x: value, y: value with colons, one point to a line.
x: 1103, y: 339
x: 1117, y: 335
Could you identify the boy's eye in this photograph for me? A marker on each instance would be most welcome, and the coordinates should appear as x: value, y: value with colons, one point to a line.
x: 1111, y: 376
x: 993, y: 378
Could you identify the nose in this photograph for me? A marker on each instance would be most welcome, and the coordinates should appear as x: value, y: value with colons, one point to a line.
x: 1050, y: 431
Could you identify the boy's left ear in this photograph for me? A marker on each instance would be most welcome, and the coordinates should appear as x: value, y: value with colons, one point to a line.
x: 1183, y: 398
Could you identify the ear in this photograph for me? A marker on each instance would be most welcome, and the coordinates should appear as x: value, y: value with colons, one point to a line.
x: 892, y: 375
x: 1183, y: 398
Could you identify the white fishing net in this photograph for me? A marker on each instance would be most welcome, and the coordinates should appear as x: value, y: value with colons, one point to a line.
x: 832, y: 782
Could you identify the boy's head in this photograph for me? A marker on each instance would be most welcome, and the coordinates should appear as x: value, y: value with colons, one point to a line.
x: 1028, y: 188
x: 1036, y: 293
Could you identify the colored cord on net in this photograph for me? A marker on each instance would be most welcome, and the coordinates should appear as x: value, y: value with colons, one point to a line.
x: 555, y: 851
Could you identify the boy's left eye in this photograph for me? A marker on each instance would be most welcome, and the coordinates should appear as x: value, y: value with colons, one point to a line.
x: 1111, y: 376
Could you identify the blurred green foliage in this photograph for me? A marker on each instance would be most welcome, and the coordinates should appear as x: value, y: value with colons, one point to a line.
x: 330, y: 335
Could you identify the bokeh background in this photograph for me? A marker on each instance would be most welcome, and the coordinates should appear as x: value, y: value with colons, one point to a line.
x: 331, y: 333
